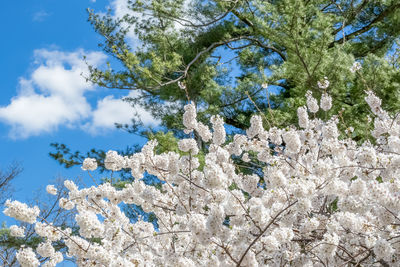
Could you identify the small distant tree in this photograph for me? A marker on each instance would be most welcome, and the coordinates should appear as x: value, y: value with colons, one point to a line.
x: 49, y: 212
x: 6, y: 178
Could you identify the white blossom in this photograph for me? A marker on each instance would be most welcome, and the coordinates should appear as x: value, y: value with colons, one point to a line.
x: 292, y: 141
x: 66, y: 204
x: 113, y: 161
x: 245, y: 157
x: 70, y: 185
x: 89, y: 224
x: 51, y: 189
x: 187, y: 145
x: 204, y: 132
x: 309, y: 192
x: 303, y: 117
x: 356, y: 67
x: 312, y: 103
x: 17, y: 231
x: 219, y: 134
x: 189, y: 118
x: 373, y: 101
x: 326, y: 102
x: 256, y: 126
x: 27, y: 258
x: 45, y: 249
x: 21, y: 211
x: 49, y: 231
x: 324, y: 84
x: 383, y: 250
x: 181, y: 85
x: 89, y: 164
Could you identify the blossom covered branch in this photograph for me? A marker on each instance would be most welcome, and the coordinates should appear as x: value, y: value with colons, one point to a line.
x: 317, y: 200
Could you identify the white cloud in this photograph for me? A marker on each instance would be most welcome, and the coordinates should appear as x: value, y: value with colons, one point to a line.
x: 121, y: 8
x: 40, y: 16
x: 54, y: 96
x: 111, y: 110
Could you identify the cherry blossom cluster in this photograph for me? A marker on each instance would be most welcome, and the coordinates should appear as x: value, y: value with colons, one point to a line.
x: 279, y: 197
x: 356, y: 67
x: 324, y: 84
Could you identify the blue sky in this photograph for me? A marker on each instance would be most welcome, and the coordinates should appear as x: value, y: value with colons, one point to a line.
x: 43, y: 97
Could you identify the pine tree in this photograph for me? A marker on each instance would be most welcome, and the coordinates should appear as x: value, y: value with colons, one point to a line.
x: 221, y: 54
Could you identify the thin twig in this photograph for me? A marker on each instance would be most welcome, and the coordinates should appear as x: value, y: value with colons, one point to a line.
x: 261, y: 113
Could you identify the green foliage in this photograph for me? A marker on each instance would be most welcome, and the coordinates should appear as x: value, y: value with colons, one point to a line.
x: 68, y: 159
x: 220, y: 50
x: 166, y: 142
x: 223, y: 51
x: 9, y: 242
x: 333, y: 206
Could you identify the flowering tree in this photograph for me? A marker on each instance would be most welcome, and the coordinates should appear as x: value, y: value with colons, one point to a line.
x: 320, y: 201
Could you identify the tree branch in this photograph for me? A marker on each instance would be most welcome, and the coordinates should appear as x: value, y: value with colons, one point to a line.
x: 264, y: 230
x: 367, y: 27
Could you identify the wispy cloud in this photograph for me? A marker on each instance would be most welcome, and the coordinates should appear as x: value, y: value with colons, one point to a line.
x: 40, y: 16
x: 110, y: 110
x: 54, y: 95
x: 122, y: 7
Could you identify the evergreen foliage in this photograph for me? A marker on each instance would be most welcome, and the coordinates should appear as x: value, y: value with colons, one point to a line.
x: 218, y: 54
